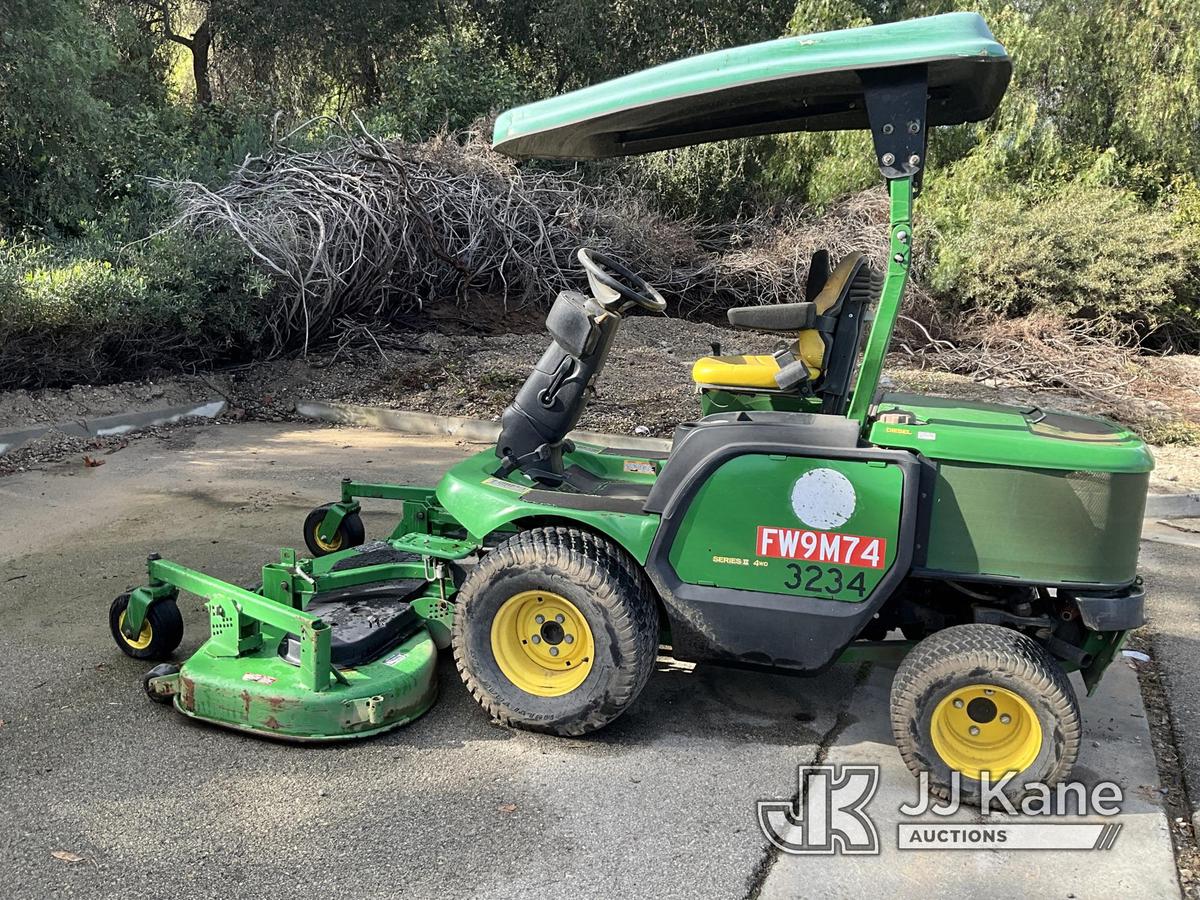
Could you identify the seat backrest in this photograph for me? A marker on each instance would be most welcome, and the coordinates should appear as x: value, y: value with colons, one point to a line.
x: 842, y: 345
x: 818, y: 274
x: 813, y: 345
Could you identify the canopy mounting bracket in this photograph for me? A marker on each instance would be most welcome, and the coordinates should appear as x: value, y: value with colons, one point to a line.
x: 897, y: 99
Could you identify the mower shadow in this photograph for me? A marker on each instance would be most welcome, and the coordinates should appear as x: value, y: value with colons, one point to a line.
x: 681, y: 704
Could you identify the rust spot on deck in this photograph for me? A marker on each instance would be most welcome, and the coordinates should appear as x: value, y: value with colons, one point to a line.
x: 187, y: 694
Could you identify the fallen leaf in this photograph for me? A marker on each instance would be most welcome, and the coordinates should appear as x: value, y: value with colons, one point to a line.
x: 66, y: 856
x: 91, y: 462
x: 121, y: 446
x: 508, y: 807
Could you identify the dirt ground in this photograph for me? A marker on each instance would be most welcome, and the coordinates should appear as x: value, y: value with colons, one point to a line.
x: 645, y: 388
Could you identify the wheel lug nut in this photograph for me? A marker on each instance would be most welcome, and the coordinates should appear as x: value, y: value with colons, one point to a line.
x: 570, y: 638
x: 958, y: 704
x: 974, y: 730
x: 554, y: 651
x: 537, y: 639
x: 539, y: 618
x: 1005, y: 719
x: 559, y: 619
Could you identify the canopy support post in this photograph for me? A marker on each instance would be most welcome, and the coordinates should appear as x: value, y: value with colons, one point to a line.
x: 899, y: 261
x: 896, y: 107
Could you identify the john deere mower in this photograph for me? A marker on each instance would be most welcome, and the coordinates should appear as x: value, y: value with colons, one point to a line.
x: 805, y: 516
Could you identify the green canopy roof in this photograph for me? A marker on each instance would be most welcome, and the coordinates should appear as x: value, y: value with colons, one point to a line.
x: 805, y: 83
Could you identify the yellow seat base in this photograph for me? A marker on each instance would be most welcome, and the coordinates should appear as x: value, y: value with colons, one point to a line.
x: 739, y: 371
x: 736, y: 371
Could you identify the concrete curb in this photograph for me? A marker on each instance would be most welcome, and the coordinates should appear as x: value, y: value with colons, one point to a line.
x: 476, y: 431
x: 1172, y: 506
x: 120, y: 423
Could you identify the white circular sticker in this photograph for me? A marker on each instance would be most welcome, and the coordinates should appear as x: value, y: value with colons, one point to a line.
x: 823, y: 498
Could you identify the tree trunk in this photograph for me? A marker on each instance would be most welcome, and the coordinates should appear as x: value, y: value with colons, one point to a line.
x: 372, y: 90
x: 200, y: 45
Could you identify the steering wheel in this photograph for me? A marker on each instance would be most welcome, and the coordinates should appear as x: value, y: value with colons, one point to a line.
x: 607, y: 289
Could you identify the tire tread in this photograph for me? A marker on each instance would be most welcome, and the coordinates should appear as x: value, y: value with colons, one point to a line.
x: 614, y: 580
x: 991, y: 648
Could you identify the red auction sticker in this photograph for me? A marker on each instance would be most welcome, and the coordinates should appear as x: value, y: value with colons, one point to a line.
x: 821, y: 546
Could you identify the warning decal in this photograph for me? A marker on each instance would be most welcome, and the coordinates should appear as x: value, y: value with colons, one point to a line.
x: 821, y: 546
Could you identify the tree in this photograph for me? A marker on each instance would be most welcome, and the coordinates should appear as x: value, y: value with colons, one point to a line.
x: 51, y: 120
x: 166, y: 15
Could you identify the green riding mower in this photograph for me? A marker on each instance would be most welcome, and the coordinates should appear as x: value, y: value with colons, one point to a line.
x: 805, y: 516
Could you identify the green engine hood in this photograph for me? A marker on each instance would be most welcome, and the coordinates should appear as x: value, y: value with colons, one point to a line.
x: 994, y: 434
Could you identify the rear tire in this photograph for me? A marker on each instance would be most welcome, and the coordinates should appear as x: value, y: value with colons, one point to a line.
x: 983, y: 698
x: 607, y: 610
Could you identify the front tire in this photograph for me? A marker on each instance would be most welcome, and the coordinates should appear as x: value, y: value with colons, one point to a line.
x: 162, y: 629
x: 556, y: 630
x: 350, y: 532
x: 158, y: 672
x: 976, y: 699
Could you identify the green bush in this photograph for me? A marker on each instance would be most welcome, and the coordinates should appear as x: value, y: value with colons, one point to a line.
x: 93, y: 313
x: 712, y: 182
x: 1084, y: 251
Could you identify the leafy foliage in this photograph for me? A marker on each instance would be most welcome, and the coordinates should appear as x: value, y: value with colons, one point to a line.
x: 92, y: 313
x: 1084, y: 252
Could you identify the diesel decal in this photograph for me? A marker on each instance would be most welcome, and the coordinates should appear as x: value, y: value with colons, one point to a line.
x: 821, y: 546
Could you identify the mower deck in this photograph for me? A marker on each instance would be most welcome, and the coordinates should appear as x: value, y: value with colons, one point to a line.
x: 259, y: 693
x: 340, y: 647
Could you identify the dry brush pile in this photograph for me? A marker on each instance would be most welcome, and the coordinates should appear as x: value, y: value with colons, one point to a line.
x: 368, y: 230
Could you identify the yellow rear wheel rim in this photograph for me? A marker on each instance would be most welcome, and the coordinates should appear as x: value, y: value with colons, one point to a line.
x: 542, y: 643
x: 145, y: 636
x: 332, y: 545
x: 985, y: 728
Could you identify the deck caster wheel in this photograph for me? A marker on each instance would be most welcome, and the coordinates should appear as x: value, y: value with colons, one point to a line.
x: 350, y: 532
x: 157, y: 672
x: 983, y: 699
x: 161, y: 631
x: 556, y: 630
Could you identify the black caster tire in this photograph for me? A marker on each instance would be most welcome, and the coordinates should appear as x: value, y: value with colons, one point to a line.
x: 556, y: 630
x: 161, y: 633
x: 977, y: 699
x: 350, y: 533
x: 157, y: 672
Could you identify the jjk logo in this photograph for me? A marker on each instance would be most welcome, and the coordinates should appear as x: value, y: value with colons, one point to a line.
x: 829, y: 815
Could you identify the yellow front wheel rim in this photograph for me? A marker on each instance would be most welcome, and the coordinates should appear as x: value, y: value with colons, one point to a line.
x: 542, y: 643
x: 145, y: 636
x: 985, y: 728
x: 332, y: 545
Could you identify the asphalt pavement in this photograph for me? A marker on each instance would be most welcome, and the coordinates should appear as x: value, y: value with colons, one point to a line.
x: 104, y: 794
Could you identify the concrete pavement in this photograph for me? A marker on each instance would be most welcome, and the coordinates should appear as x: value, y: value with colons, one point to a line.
x: 1170, y: 565
x: 1116, y: 747
x: 660, y: 804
